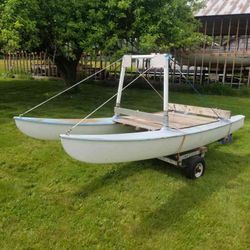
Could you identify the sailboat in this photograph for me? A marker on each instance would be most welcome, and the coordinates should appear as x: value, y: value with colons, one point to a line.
x: 178, y: 128
x: 133, y: 135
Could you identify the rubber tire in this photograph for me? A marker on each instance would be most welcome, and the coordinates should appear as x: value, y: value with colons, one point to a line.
x: 191, y: 164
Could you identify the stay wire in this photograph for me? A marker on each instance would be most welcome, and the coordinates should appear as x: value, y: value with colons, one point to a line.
x: 193, y: 87
x: 108, y: 100
x: 151, y: 85
x: 71, y: 87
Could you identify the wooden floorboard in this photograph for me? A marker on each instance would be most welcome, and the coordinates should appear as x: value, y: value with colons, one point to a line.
x: 176, y: 120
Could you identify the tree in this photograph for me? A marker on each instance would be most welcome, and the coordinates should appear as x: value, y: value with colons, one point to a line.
x: 66, y: 28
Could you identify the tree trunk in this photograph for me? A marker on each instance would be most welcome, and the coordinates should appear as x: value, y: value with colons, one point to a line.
x: 68, y: 69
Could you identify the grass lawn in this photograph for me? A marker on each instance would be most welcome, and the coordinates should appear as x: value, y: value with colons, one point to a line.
x: 50, y: 201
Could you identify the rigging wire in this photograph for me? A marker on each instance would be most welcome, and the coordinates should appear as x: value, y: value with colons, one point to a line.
x: 71, y: 87
x: 108, y: 100
x: 151, y: 85
x: 193, y: 87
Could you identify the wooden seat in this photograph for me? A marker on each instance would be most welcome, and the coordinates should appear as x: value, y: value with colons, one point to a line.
x: 176, y: 120
x: 180, y: 116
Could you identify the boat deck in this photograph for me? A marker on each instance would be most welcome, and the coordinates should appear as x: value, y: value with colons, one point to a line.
x: 176, y: 121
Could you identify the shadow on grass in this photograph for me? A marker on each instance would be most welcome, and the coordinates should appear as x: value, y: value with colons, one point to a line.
x: 113, y: 176
x: 125, y: 171
x: 225, y: 174
x: 222, y: 169
x: 194, y: 193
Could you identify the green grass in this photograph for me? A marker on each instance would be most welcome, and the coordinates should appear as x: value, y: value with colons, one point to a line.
x: 49, y: 201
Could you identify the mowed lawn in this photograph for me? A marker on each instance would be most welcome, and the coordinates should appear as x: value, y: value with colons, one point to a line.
x: 50, y: 201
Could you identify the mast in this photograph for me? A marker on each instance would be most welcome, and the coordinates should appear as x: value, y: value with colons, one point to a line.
x: 166, y: 91
x: 126, y: 62
x: 156, y: 61
x: 162, y: 61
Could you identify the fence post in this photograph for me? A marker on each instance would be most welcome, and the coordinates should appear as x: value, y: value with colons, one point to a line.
x: 5, y: 63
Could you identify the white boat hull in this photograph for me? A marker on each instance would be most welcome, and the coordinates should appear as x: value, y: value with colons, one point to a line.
x: 146, y: 145
x: 50, y: 129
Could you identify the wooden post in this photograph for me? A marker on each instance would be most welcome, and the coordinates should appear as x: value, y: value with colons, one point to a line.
x: 248, y: 80
x: 115, y: 70
x: 30, y: 63
x: 95, y: 63
x: 174, y: 72
x: 17, y: 62
x: 229, y: 33
x: 213, y: 41
x: 181, y: 69
x: 195, y: 69
x: 81, y: 66
x: 131, y: 69
x: 209, y: 69
x: 109, y: 68
x: 202, y: 60
x: 213, y: 34
x: 33, y: 64
x: 90, y: 63
x: 41, y: 63
x: 227, y: 50
x: 49, y: 66
x: 23, y: 63
x: 217, y: 68
x: 246, y: 35
x: 235, y: 51
x: 45, y: 61
x: 221, y: 29
x: 188, y: 69
x: 98, y: 64
x: 13, y: 66
x: 85, y: 63
x: 166, y: 92
x: 24, y: 68
x: 27, y: 62
x: 37, y: 63
x: 233, y: 68
x: 101, y: 65
x: 57, y: 74
x: 5, y: 63
x: 241, y: 71
x: 9, y: 62
x: 225, y: 70
x: 237, y: 35
x: 105, y: 66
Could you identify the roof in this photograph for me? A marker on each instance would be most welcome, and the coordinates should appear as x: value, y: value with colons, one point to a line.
x: 224, y: 7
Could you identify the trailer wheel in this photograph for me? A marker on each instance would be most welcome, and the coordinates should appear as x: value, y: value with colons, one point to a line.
x: 195, y: 167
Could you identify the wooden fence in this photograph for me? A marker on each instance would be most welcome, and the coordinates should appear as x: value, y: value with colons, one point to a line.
x: 37, y: 64
x: 40, y: 64
x: 200, y: 66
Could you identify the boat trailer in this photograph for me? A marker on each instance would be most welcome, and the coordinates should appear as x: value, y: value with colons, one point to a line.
x: 192, y: 162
